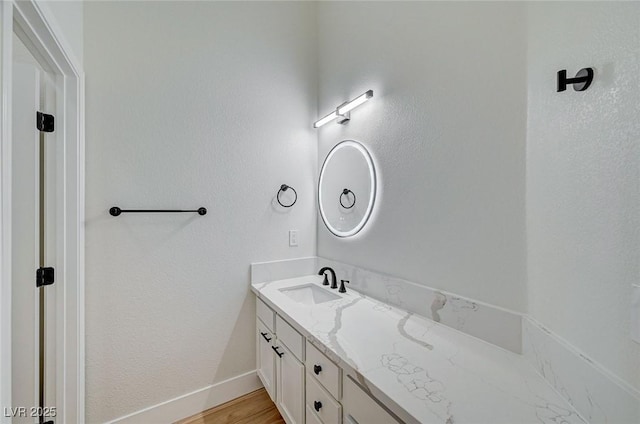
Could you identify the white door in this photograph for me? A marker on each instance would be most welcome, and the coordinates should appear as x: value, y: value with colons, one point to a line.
x: 290, y: 386
x: 33, y: 245
x: 25, y: 254
x: 266, y: 359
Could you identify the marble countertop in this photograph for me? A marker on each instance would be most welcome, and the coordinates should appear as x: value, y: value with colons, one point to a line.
x: 421, y: 370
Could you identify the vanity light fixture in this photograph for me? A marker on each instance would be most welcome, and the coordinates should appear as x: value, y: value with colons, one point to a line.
x: 342, y: 112
x: 349, y: 106
x: 330, y: 117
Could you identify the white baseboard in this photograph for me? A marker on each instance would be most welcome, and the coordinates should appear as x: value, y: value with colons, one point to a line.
x: 192, y: 403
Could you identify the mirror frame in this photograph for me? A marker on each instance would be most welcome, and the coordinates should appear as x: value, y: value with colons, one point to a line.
x: 372, y: 194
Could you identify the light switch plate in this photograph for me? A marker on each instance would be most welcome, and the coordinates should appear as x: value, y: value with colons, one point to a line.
x: 635, y: 313
x: 293, y: 238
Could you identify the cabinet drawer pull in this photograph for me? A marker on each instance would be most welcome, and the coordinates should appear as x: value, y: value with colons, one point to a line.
x: 264, y: 335
x: 275, y: 349
x: 317, y: 369
x: 317, y: 405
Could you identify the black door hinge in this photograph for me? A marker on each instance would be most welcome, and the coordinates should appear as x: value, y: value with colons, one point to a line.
x: 44, y: 122
x: 44, y: 277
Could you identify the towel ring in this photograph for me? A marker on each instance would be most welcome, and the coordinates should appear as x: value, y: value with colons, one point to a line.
x: 283, y: 188
x: 346, y: 192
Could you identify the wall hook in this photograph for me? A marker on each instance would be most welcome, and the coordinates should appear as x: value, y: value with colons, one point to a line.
x: 284, y: 188
x: 345, y: 193
x: 581, y: 82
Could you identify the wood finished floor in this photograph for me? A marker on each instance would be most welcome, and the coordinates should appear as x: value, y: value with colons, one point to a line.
x: 253, y: 408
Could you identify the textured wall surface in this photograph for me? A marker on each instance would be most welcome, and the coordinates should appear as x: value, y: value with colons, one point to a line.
x: 447, y: 129
x: 210, y: 104
x: 70, y: 20
x: 189, y: 104
x: 583, y: 178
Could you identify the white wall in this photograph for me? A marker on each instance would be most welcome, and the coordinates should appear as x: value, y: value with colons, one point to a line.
x: 583, y: 175
x: 447, y: 127
x: 211, y: 103
x: 69, y: 20
x: 189, y: 104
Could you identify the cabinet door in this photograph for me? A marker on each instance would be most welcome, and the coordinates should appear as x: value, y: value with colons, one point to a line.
x: 266, y: 358
x: 290, y: 386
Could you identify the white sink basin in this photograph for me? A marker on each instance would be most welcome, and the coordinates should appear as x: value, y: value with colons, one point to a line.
x: 309, y: 294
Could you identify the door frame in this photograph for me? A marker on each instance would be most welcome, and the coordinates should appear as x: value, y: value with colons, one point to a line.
x: 38, y: 29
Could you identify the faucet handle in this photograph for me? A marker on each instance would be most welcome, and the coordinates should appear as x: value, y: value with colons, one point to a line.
x: 342, y: 288
x: 326, y: 280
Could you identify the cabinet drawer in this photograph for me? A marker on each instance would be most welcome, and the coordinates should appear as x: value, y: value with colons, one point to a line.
x: 359, y: 407
x: 290, y: 337
x: 322, y: 403
x: 312, y: 418
x: 266, y: 315
x: 322, y: 369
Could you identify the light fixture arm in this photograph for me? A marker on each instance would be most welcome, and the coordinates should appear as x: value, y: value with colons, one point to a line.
x: 342, y: 118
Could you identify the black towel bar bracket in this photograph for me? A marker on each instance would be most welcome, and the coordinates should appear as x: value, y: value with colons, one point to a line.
x: 116, y: 211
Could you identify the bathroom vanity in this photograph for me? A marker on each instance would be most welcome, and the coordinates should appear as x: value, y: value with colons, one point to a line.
x: 304, y: 383
x: 327, y: 357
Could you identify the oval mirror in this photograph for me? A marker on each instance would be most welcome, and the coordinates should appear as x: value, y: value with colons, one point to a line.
x: 347, y: 188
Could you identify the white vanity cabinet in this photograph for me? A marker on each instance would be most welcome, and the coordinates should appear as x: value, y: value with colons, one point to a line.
x: 280, y: 356
x: 305, y: 385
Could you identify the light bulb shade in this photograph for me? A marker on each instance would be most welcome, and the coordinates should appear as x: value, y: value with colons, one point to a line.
x: 330, y: 117
x: 355, y: 102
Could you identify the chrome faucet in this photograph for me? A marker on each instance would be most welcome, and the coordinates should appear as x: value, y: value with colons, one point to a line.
x: 334, y: 280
